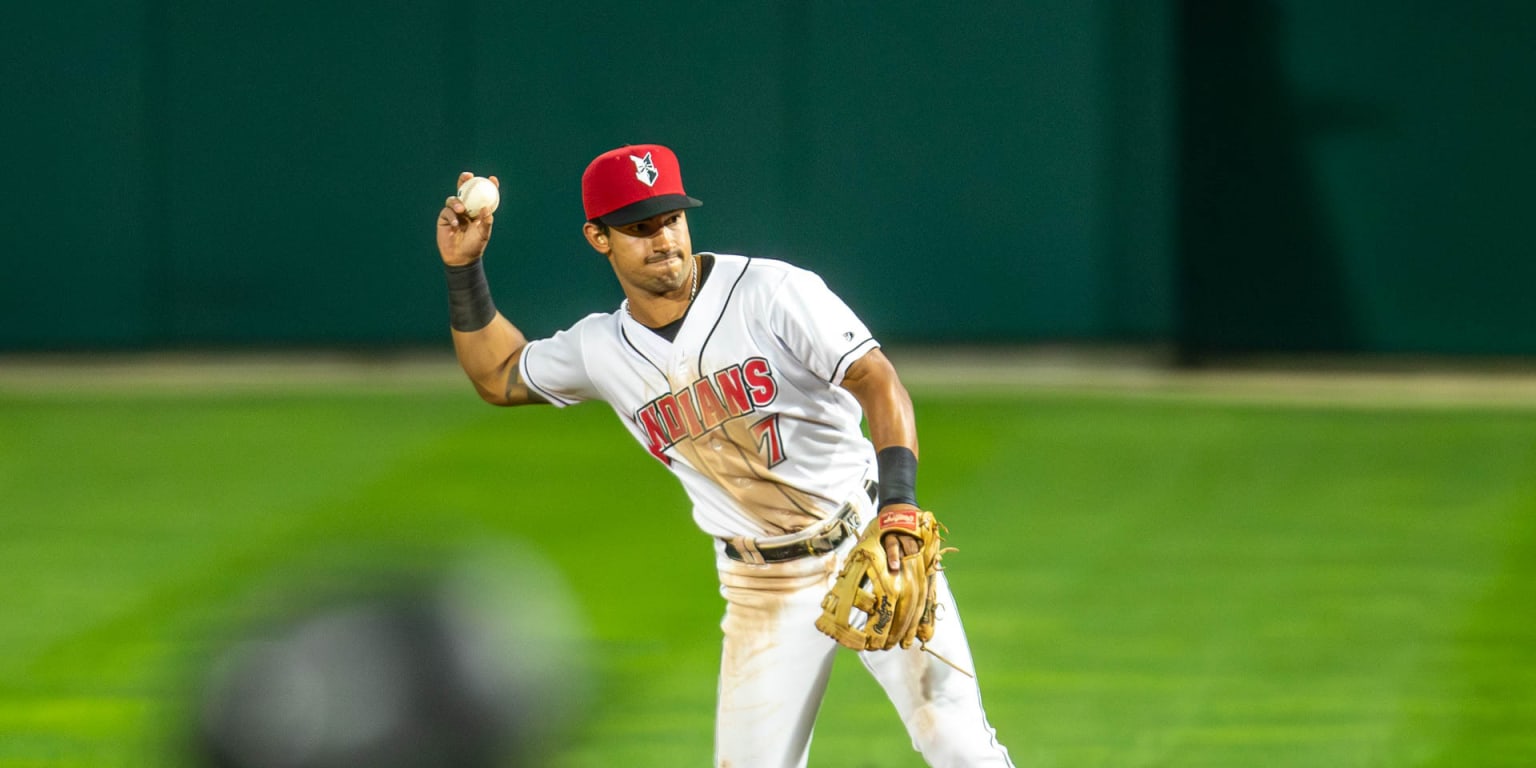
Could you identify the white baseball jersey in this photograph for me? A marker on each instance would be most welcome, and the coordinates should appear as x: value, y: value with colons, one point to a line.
x: 744, y: 406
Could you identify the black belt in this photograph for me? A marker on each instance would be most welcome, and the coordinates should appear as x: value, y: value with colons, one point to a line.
x: 843, y: 525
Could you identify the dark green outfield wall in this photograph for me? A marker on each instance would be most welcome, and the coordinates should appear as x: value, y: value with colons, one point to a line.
x: 1222, y: 175
x: 1358, y: 176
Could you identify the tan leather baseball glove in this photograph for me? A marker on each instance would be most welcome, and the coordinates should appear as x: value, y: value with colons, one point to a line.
x: 871, y: 609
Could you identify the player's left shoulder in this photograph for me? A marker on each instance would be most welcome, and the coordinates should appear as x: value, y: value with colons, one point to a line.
x: 762, y: 282
x: 770, y: 266
x: 748, y: 274
x: 769, y: 272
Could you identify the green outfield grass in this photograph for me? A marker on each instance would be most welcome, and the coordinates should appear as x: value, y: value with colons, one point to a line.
x: 1146, y: 582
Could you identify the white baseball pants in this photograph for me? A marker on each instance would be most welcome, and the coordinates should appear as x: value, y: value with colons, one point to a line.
x: 775, y: 665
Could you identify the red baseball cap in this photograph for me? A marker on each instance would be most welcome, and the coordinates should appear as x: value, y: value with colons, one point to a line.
x: 631, y: 183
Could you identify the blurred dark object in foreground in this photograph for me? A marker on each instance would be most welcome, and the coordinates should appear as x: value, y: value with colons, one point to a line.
x: 446, y: 671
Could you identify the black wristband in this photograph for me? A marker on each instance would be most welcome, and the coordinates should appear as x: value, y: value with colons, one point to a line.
x: 469, y: 297
x: 898, y: 475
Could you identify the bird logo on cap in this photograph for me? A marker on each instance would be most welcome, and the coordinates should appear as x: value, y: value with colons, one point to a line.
x: 645, y: 169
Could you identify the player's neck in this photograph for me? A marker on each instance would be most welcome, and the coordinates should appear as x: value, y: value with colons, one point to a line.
x: 654, y: 311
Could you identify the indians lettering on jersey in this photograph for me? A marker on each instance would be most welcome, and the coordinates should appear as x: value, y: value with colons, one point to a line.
x: 717, y: 425
x: 707, y: 403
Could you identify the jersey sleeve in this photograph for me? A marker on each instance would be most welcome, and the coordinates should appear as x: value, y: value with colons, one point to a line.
x: 556, y: 367
x: 818, y: 327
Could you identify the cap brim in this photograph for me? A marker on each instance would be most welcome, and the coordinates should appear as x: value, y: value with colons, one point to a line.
x: 644, y: 209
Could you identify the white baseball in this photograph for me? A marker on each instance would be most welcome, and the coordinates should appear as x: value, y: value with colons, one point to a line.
x: 479, y: 195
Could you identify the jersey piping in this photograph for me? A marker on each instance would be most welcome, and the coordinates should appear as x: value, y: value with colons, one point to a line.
x: 528, y: 378
x: 848, y: 359
x: 624, y: 332
x: 720, y: 316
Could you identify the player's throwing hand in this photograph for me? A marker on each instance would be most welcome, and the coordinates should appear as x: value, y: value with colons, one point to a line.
x: 460, y: 239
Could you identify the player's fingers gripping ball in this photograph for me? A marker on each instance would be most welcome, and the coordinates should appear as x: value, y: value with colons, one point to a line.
x: 480, y: 196
x: 869, y: 608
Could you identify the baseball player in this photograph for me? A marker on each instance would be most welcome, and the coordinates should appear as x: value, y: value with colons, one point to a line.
x: 748, y: 379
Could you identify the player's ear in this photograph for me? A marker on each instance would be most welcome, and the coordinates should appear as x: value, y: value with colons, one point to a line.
x: 597, y: 237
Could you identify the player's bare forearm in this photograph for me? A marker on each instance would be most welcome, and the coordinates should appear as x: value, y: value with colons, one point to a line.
x: 888, y: 413
x: 490, y: 358
x: 490, y: 354
x: 887, y: 406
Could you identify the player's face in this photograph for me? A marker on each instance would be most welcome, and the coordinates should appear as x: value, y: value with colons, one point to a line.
x: 653, y: 255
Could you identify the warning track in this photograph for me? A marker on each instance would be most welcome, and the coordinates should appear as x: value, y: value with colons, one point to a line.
x: 1351, y: 382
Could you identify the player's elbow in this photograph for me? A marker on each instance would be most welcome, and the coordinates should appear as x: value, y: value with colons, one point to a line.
x: 517, y: 394
x: 492, y: 395
x: 872, y: 380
